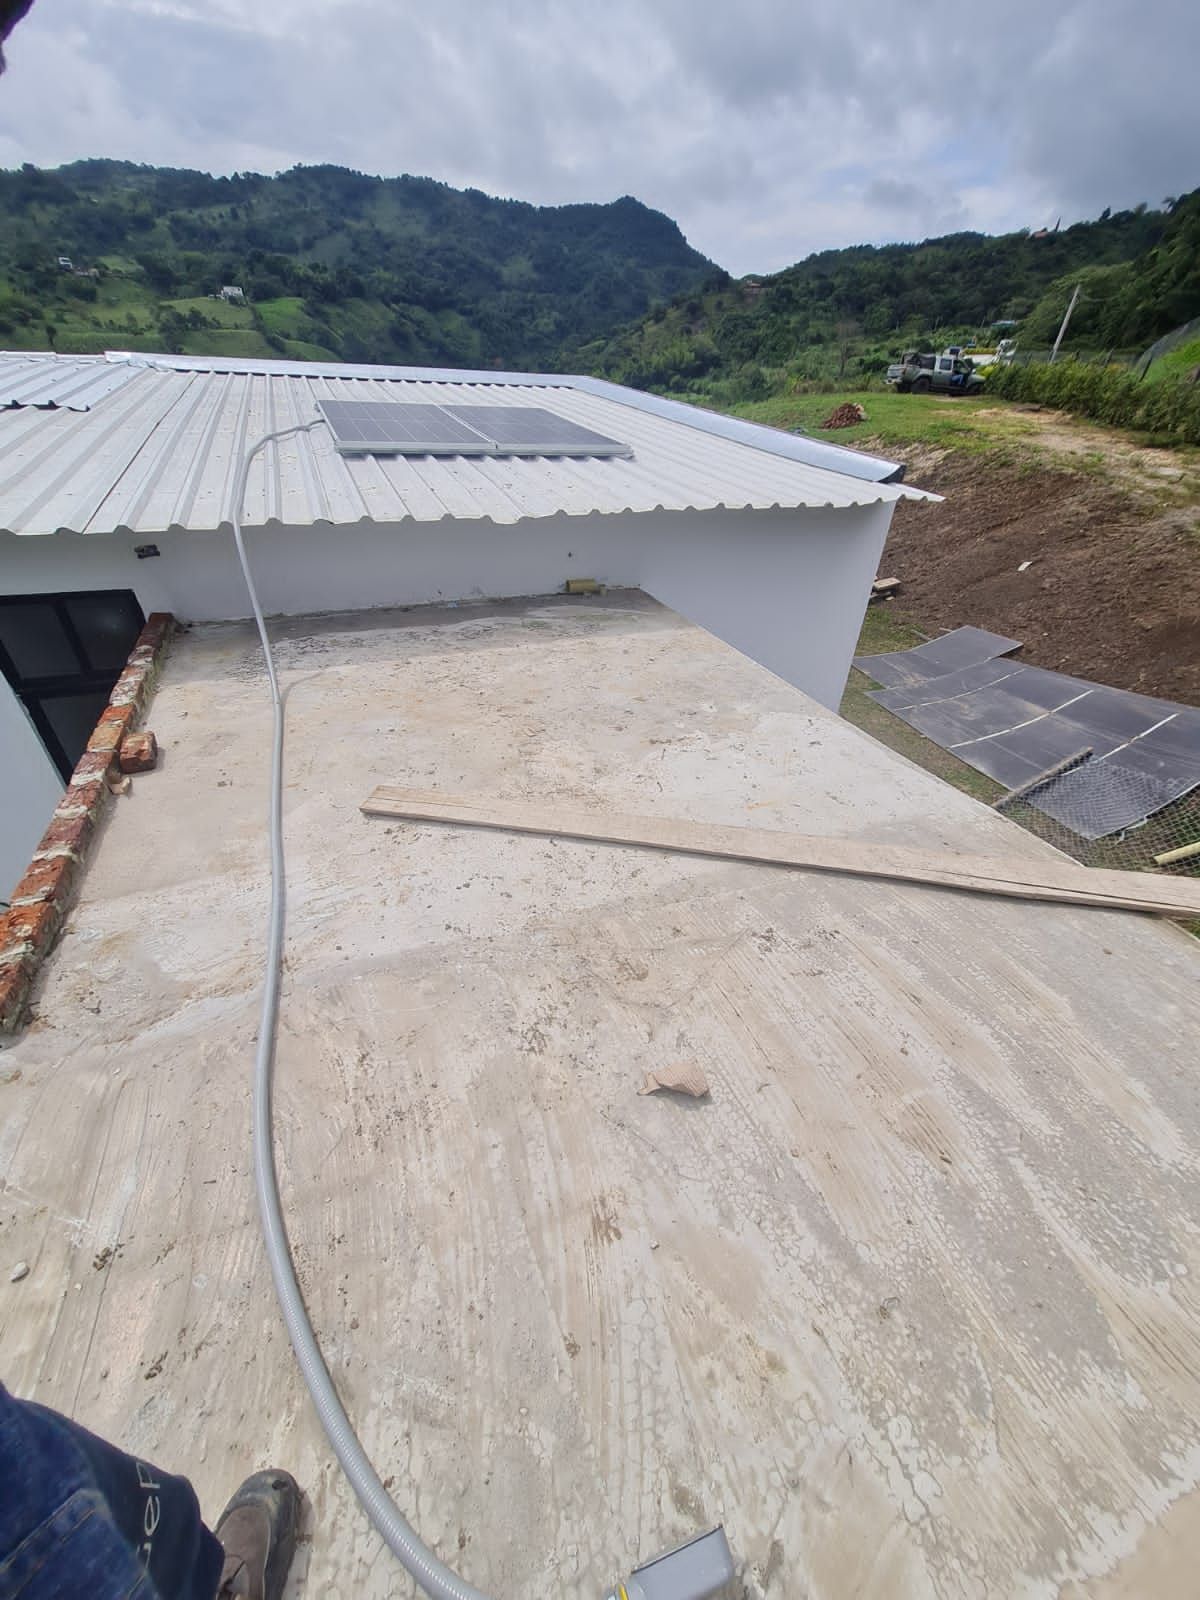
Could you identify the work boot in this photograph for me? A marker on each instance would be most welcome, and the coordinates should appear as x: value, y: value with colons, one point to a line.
x: 258, y: 1531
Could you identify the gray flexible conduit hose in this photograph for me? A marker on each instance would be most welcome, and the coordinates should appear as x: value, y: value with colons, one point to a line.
x: 432, y: 1575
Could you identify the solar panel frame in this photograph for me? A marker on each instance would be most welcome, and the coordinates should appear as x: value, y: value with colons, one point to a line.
x: 535, y: 431
x: 420, y: 428
x: 409, y: 428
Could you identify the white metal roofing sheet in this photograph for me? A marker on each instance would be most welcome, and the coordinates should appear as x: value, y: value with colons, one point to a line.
x: 163, y: 448
x: 44, y: 379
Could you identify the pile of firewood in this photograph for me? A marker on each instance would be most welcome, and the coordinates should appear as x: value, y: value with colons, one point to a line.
x: 845, y: 416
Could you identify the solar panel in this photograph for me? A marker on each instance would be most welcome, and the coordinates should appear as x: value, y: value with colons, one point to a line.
x: 407, y: 428
x: 1014, y: 721
x: 533, y: 431
x: 381, y: 427
x: 964, y: 647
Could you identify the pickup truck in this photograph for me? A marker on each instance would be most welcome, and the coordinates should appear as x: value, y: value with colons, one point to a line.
x: 946, y: 374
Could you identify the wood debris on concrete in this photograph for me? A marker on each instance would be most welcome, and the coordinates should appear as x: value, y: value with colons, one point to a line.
x: 685, y: 1077
x: 1052, y: 880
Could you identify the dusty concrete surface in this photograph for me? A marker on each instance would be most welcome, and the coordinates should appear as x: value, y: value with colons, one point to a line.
x: 910, y: 1304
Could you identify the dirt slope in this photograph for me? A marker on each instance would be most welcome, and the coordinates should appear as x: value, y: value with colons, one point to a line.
x: 1113, y: 588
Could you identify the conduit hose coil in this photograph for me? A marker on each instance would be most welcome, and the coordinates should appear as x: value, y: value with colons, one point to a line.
x: 432, y: 1575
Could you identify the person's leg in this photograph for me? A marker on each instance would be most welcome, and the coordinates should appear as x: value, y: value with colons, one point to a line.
x: 79, y: 1517
x: 60, y: 1534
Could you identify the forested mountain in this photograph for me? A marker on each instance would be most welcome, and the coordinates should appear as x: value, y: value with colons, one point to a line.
x: 337, y: 265
x: 333, y: 265
x: 843, y: 312
x: 1130, y: 303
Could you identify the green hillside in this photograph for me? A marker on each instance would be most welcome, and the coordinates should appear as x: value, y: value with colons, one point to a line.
x: 844, y: 313
x: 334, y: 265
x: 1128, y: 304
x: 337, y: 265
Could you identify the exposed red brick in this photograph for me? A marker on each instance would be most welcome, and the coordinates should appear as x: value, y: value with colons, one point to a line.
x: 49, y: 879
x: 158, y: 626
x: 85, y: 795
x: 43, y: 896
x: 139, y: 753
x: 92, y: 764
x: 114, y: 724
x: 34, y: 926
x: 16, y: 978
x: 66, y: 833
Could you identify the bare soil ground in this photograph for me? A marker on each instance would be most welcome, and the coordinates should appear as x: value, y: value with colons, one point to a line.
x: 1111, y: 532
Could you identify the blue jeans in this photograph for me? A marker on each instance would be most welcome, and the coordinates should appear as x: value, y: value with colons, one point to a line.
x: 81, y: 1520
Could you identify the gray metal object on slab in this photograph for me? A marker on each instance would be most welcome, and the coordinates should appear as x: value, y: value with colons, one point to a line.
x: 697, y: 1570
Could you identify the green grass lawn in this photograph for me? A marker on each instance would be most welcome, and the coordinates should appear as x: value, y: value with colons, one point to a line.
x: 975, y: 424
x: 219, y: 311
x: 227, y: 342
x: 302, y: 350
x: 123, y: 294
x: 1176, y: 363
x: 284, y: 316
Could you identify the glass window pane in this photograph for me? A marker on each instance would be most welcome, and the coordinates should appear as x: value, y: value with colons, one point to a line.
x: 73, y: 716
x: 36, y: 644
x: 107, y: 625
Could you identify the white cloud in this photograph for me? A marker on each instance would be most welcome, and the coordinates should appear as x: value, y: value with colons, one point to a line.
x: 767, y: 130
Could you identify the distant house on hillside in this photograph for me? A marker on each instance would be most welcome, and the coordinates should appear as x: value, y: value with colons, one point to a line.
x: 64, y: 264
x: 232, y: 293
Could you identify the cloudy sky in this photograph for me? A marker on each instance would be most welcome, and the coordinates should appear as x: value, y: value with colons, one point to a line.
x: 767, y: 128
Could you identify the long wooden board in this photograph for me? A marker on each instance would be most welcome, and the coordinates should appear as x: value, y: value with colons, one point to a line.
x: 1018, y: 879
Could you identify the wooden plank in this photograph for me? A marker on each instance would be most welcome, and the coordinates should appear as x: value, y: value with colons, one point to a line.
x: 1186, y: 852
x: 1063, y: 882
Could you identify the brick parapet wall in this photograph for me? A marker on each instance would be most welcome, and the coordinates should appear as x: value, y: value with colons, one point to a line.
x: 44, y: 895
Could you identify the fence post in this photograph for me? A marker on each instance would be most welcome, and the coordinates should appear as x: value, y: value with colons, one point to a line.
x: 1065, y: 320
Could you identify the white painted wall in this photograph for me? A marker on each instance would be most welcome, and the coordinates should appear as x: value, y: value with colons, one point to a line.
x: 30, y: 788
x: 786, y: 588
x: 789, y: 597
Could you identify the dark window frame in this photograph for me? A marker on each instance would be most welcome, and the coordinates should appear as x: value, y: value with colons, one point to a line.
x: 88, y: 680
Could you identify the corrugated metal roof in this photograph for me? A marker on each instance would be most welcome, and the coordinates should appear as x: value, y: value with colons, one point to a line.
x: 73, y: 382
x: 161, y: 444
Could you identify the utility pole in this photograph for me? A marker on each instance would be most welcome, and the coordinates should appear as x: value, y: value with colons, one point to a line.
x: 1066, y: 318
